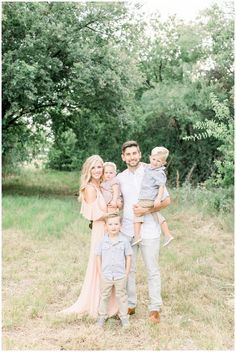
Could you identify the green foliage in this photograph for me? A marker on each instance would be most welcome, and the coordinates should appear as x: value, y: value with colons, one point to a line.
x: 70, y: 70
x: 85, y: 77
x: 63, y: 153
x: 222, y: 129
x: 214, y: 201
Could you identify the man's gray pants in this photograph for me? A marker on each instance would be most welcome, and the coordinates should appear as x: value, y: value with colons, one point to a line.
x: 150, y: 253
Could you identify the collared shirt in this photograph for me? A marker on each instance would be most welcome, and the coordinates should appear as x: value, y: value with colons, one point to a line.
x: 130, y: 183
x: 113, y: 253
x: 151, y: 182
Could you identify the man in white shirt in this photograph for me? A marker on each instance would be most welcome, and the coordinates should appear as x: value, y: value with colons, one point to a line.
x: 130, y: 182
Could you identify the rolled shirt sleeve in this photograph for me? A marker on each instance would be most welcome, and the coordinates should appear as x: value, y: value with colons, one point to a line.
x: 128, y: 248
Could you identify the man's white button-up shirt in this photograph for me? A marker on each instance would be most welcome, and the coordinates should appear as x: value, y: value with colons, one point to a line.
x: 130, y: 183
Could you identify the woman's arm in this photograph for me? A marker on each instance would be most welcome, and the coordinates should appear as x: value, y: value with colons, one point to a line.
x: 140, y: 211
x: 99, y: 264
x: 90, y: 194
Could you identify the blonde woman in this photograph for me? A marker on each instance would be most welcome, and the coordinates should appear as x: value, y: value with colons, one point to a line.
x: 93, y: 208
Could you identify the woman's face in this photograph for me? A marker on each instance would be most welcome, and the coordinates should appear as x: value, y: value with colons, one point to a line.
x: 97, y: 171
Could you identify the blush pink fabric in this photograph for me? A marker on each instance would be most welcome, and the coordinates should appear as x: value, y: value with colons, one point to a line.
x: 88, y: 300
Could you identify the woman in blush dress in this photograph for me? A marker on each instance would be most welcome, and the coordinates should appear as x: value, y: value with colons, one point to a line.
x: 93, y: 208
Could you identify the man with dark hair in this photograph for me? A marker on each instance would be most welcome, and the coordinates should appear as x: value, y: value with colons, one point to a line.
x: 130, y: 182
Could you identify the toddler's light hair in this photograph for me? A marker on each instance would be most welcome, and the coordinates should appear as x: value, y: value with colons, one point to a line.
x: 109, y: 163
x: 161, y: 151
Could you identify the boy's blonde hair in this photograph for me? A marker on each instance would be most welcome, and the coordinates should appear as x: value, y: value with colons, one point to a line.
x: 109, y: 163
x: 112, y: 215
x: 161, y: 151
x: 86, y: 171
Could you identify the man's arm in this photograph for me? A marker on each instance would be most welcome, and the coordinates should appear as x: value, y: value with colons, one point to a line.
x: 140, y: 211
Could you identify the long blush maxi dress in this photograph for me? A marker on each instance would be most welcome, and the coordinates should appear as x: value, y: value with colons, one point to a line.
x: 88, y: 300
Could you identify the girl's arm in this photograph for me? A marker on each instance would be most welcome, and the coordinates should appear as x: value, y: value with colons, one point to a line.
x: 127, y: 264
x: 115, y: 195
x: 158, y: 199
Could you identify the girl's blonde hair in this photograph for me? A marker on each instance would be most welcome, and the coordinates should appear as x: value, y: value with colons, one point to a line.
x: 86, y: 171
x: 109, y: 163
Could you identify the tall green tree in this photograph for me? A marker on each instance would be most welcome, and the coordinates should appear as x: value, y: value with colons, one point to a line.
x: 63, y: 68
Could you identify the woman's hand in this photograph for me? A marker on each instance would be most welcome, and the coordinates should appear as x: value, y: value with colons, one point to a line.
x: 119, y: 203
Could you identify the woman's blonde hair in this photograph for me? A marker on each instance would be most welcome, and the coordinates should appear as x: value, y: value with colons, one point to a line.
x: 86, y: 171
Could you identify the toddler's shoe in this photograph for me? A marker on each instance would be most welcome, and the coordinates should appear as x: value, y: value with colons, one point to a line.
x: 167, y: 240
x: 136, y: 242
x: 124, y: 323
x: 100, y: 322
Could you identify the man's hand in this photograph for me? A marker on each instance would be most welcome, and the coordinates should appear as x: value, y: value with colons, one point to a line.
x: 140, y: 211
x: 157, y: 203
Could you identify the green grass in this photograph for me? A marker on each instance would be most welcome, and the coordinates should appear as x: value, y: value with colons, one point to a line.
x: 45, y: 248
x: 41, y: 217
x: 43, y: 183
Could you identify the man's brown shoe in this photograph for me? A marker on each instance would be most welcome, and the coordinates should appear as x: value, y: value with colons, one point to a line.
x: 131, y: 311
x: 154, y: 316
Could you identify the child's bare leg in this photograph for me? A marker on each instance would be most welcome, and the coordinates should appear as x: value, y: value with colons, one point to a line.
x: 137, y: 236
x: 166, y: 233
x: 137, y: 229
x: 165, y: 229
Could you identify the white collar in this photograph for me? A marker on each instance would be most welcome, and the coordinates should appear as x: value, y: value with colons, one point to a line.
x: 138, y: 171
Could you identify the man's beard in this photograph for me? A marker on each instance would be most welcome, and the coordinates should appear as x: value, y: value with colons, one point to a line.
x: 133, y: 163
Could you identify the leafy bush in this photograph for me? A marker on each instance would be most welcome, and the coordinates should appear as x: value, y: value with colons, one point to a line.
x: 210, y: 200
x: 63, y: 155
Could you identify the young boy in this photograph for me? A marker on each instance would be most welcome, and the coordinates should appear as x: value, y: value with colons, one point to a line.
x: 113, y: 259
x: 153, y: 191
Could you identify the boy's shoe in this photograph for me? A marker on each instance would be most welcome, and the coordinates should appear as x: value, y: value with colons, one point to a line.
x: 136, y: 242
x: 100, y: 322
x: 124, y: 323
x: 91, y: 224
x: 167, y: 240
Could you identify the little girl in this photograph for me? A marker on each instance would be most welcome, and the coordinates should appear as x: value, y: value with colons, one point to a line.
x: 110, y: 186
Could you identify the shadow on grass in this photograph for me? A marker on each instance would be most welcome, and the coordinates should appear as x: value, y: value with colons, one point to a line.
x: 34, y: 191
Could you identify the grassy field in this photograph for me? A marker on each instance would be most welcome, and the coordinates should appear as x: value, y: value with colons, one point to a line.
x: 45, y: 249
